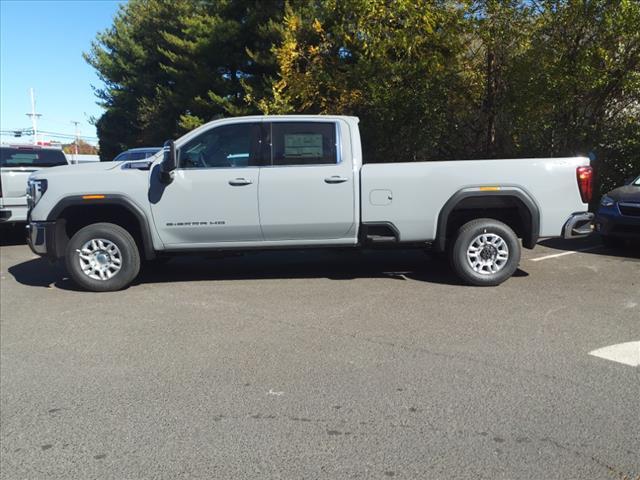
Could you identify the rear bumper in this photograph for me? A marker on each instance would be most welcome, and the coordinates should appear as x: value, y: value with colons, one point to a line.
x: 14, y: 213
x: 579, y: 224
x: 41, y: 237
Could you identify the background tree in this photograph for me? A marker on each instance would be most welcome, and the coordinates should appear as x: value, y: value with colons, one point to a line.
x: 429, y: 79
x: 169, y: 66
x: 577, y: 87
x: 84, y: 148
x: 396, y: 65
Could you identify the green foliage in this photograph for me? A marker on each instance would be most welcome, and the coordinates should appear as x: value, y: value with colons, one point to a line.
x: 576, y: 89
x: 393, y: 64
x: 429, y: 79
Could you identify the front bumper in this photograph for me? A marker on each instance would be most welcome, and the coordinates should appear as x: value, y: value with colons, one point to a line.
x: 611, y: 223
x: 41, y: 238
x: 579, y: 225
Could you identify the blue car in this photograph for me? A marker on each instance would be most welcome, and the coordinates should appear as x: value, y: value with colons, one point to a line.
x: 618, y: 218
x: 137, y: 154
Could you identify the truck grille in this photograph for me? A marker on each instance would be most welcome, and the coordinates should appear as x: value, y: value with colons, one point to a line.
x: 630, y: 209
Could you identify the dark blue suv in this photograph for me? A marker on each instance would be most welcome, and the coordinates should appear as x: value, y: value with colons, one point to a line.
x: 618, y: 217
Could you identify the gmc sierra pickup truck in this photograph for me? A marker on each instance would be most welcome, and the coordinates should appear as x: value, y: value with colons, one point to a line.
x: 292, y: 182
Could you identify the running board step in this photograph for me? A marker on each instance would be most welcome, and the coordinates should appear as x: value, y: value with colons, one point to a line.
x: 380, y: 239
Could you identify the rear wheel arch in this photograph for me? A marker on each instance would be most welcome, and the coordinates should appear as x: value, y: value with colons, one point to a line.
x: 511, y: 206
x: 73, y: 213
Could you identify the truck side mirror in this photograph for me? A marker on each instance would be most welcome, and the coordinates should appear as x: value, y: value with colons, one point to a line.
x: 168, y: 164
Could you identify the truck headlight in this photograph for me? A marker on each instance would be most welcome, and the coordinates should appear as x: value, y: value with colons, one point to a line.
x: 607, y: 201
x: 35, y: 190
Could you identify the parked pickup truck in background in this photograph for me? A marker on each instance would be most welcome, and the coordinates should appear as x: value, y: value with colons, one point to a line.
x: 17, y: 162
x: 299, y: 182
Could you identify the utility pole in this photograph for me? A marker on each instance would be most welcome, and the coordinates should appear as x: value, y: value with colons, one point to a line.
x: 75, y: 148
x: 34, y: 116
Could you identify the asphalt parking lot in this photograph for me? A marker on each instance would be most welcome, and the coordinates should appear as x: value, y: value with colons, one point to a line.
x: 322, y: 365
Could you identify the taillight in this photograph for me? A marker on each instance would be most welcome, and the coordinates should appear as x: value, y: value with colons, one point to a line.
x: 585, y: 183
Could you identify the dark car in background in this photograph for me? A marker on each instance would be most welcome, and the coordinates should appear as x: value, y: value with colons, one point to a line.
x: 137, y: 154
x: 618, y: 218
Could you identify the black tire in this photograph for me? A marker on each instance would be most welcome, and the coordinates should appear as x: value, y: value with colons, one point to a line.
x: 504, y: 267
x: 128, y: 254
x: 612, y: 242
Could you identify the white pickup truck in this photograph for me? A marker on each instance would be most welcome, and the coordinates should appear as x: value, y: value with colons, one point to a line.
x: 292, y: 182
x: 17, y: 162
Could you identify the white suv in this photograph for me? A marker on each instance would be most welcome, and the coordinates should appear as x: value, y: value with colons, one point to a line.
x: 17, y: 162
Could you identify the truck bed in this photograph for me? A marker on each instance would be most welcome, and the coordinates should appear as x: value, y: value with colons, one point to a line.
x: 411, y: 195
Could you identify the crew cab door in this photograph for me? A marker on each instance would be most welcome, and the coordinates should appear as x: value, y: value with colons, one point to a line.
x: 307, y: 189
x: 213, y: 197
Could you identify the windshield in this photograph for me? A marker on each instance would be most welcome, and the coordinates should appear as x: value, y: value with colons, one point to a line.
x: 140, y: 155
x: 136, y: 154
x: 26, y: 157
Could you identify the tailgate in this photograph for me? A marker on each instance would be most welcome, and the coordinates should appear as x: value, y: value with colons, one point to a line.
x: 13, y: 181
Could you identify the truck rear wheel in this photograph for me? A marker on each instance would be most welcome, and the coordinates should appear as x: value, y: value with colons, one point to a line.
x: 486, y: 252
x: 102, y: 257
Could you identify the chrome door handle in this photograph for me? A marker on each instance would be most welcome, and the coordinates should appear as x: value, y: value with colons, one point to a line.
x: 336, y: 179
x: 238, y: 182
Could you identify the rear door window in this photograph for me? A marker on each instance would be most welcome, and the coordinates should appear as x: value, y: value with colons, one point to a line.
x: 24, y: 157
x: 303, y: 143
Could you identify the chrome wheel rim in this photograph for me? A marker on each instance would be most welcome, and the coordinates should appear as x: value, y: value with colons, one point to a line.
x: 487, y: 253
x: 100, y: 259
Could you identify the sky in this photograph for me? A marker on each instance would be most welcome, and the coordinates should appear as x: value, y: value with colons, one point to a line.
x: 41, y: 45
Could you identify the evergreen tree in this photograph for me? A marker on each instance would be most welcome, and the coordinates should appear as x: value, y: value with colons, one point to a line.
x: 169, y: 66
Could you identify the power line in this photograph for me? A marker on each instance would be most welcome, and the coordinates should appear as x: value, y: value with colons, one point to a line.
x: 67, y: 135
x: 29, y: 132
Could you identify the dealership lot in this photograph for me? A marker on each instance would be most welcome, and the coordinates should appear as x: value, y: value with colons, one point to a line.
x: 322, y: 365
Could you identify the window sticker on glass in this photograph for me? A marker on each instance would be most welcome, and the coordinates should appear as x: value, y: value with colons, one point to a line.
x: 302, y: 145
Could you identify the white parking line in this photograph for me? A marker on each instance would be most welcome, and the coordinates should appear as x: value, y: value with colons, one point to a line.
x: 556, y: 255
x: 627, y: 353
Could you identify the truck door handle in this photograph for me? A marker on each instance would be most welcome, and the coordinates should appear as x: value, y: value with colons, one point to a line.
x: 238, y: 182
x: 336, y: 179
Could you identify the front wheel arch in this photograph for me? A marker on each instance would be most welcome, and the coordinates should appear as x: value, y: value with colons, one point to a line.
x: 97, y: 269
x: 116, y: 209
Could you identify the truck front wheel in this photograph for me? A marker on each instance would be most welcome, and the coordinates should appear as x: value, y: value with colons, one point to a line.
x: 486, y: 252
x: 102, y: 257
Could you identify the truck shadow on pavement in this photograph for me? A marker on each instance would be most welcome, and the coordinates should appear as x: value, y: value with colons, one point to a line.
x: 398, y: 265
x: 12, y: 235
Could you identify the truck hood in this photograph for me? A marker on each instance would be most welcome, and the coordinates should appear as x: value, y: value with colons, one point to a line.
x: 84, y: 168
x: 628, y: 193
